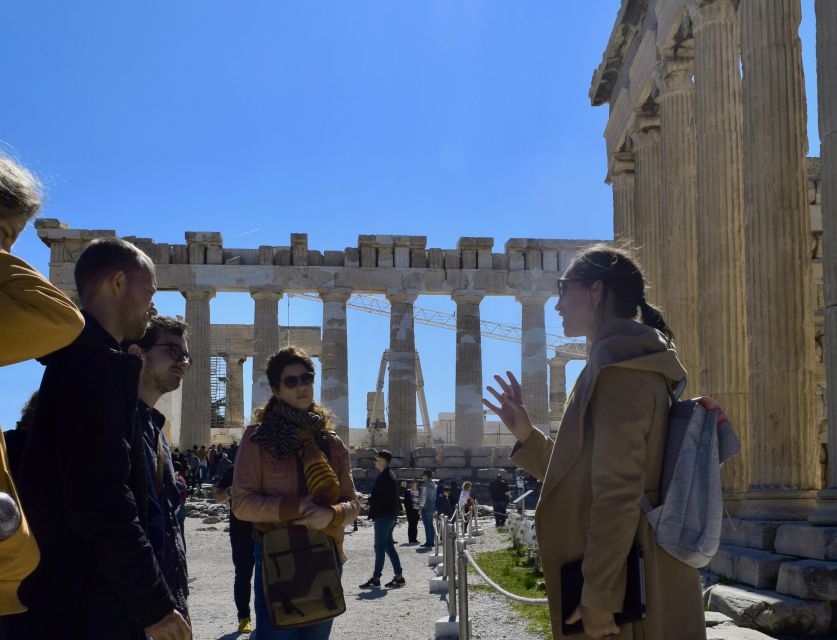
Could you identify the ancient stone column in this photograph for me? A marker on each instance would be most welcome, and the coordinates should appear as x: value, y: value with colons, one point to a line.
x: 235, y: 391
x: 557, y: 390
x: 469, y: 413
x: 826, y: 512
x: 780, y: 306
x: 195, y: 412
x: 334, y: 388
x: 679, y: 291
x: 266, y: 341
x: 720, y: 216
x: 533, y: 359
x: 648, y: 200
x: 402, y: 373
x: 621, y: 175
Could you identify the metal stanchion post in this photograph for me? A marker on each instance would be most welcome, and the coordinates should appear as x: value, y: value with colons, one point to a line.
x: 444, y: 548
x: 450, y: 563
x: 462, y: 561
x: 439, y: 533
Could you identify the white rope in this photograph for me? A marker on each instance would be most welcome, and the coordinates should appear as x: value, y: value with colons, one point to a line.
x: 541, y: 602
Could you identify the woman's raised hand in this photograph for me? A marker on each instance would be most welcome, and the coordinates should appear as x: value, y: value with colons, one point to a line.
x: 511, y: 410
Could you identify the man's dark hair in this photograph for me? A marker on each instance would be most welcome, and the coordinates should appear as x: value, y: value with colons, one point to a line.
x: 20, y: 191
x: 383, y: 454
x: 28, y: 413
x: 427, y: 473
x: 157, y: 326
x: 104, y: 257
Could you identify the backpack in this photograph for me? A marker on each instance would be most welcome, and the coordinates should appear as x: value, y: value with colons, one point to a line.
x: 687, y: 523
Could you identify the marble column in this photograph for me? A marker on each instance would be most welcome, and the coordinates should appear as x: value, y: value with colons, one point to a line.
x: 621, y: 175
x: 648, y: 200
x: 266, y: 341
x: 826, y: 512
x: 784, y: 447
x: 679, y: 291
x: 557, y: 390
x: 720, y: 215
x: 334, y: 358
x: 469, y: 412
x: 235, y: 391
x: 402, y: 374
x: 533, y: 359
x: 195, y: 412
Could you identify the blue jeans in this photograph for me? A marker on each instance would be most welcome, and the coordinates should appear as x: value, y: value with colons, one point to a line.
x: 499, y: 514
x: 264, y: 629
x: 383, y: 543
x: 429, y: 529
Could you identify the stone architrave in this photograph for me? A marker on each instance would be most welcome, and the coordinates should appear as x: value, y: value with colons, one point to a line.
x: 720, y: 214
x: 266, y: 341
x: 469, y: 412
x: 235, y: 391
x: 402, y: 373
x: 648, y: 200
x: 826, y: 512
x: 679, y: 290
x: 197, y: 390
x: 533, y: 365
x: 785, y: 450
x: 622, y: 179
x: 557, y: 390
x: 334, y: 387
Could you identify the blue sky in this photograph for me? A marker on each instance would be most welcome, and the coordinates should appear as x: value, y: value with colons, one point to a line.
x: 264, y: 118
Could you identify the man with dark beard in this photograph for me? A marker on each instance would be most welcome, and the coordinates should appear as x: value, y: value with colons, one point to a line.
x: 99, y: 576
x: 165, y: 360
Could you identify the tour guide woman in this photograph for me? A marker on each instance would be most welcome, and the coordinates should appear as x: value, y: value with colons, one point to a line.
x: 607, y: 454
x: 266, y: 488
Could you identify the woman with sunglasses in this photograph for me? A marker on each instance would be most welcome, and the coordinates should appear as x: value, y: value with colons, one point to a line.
x: 608, y: 454
x: 292, y: 439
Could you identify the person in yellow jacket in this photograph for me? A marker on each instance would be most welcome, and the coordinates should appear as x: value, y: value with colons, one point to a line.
x: 36, y: 318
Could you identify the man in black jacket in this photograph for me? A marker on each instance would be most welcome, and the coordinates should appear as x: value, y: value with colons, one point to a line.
x: 499, y: 490
x: 83, y: 477
x: 383, y: 510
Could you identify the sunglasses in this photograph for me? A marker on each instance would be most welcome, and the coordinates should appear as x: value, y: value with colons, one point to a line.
x: 562, y: 284
x: 175, y: 352
x: 291, y: 382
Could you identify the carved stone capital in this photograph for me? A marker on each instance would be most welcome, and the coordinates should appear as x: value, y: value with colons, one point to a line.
x: 199, y: 295
x: 406, y: 296
x: 705, y: 12
x: 265, y: 294
x: 467, y: 296
x: 646, y: 132
x: 337, y: 294
x: 675, y: 73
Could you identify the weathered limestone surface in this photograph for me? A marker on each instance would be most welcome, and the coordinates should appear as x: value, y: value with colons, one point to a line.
x: 784, y: 462
x: 334, y: 388
x: 720, y: 214
x: 195, y: 418
x: 235, y: 391
x: 806, y: 541
x: 402, y: 374
x: 557, y: 390
x: 809, y: 579
x: 533, y: 359
x: 756, y: 534
x: 826, y: 19
x: 265, y: 324
x: 622, y: 179
x: 468, y: 398
x: 648, y: 204
x: 679, y: 288
x: 771, y: 612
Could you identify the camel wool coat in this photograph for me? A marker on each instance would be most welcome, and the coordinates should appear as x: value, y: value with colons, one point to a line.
x: 609, y: 452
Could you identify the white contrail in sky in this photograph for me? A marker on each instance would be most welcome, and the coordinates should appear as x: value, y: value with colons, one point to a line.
x: 247, y: 233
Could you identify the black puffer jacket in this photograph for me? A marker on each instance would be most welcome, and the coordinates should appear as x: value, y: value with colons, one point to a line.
x: 83, y: 485
x: 383, y: 501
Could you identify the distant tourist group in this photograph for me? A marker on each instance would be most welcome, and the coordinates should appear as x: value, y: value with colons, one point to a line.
x: 102, y: 552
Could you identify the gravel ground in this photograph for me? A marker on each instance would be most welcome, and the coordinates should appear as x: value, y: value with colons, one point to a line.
x: 407, y: 613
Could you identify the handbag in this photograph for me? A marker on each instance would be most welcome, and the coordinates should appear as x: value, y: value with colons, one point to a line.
x: 300, y: 574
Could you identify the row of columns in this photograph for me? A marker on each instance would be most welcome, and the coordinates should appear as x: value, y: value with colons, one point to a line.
x: 719, y: 199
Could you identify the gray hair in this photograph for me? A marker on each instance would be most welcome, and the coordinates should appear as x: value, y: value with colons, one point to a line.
x: 20, y: 191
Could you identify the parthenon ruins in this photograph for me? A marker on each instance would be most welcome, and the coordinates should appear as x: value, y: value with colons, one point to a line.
x: 399, y: 267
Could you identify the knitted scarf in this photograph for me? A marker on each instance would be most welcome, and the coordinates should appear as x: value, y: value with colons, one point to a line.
x: 277, y: 432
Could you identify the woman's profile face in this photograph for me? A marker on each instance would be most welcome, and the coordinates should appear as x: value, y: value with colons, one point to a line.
x: 292, y: 391
x: 575, y: 306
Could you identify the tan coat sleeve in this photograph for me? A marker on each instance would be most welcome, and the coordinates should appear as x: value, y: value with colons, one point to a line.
x: 36, y: 318
x: 533, y: 455
x: 347, y: 511
x: 248, y: 499
x: 622, y: 413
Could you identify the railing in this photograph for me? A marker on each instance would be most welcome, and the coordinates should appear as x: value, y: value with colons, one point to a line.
x: 453, y: 535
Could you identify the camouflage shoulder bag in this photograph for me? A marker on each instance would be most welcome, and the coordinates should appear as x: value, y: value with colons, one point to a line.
x: 301, y: 575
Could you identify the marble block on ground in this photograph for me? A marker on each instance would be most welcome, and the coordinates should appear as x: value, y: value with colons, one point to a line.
x: 771, y: 612
x: 807, y: 541
x: 809, y: 579
x: 757, y: 534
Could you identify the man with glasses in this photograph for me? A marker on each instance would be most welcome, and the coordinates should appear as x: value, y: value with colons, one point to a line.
x: 165, y: 360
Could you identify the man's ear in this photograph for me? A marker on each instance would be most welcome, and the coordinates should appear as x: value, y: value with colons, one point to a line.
x: 135, y: 350
x: 117, y: 282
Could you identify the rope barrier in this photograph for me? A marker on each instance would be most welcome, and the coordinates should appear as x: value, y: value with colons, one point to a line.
x: 541, y: 602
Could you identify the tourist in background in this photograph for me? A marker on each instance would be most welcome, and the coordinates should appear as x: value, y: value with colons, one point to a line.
x: 383, y: 511
x: 465, y: 503
x: 410, y: 496
x: 266, y: 487
x: 455, y: 492
x: 443, y: 503
x: 608, y: 454
x: 36, y: 318
x: 427, y: 505
x: 499, y: 491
